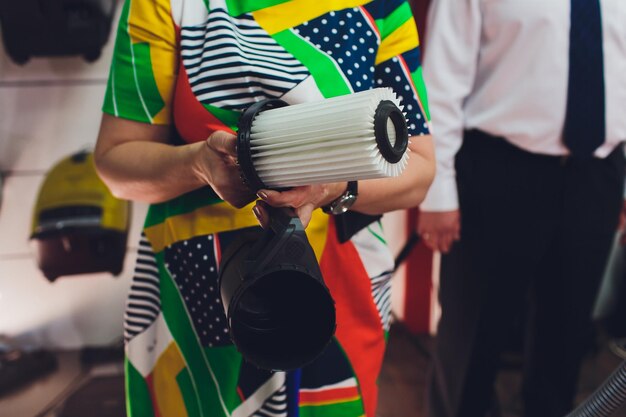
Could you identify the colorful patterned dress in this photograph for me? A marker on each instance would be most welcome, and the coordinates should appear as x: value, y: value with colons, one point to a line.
x: 196, y: 64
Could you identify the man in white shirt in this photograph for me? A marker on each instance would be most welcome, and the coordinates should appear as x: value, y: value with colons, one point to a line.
x: 528, y: 102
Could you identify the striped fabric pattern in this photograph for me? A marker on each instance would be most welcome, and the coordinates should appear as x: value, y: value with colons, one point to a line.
x: 232, y: 62
x: 330, y: 388
x: 144, y: 300
x: 275, y: 406
x: 381, y: 291
x: 338, y: 392
x: 340, y: 399
x: 378, y: 262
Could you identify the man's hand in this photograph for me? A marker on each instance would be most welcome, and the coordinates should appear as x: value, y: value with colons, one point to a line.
x: 439, y: 229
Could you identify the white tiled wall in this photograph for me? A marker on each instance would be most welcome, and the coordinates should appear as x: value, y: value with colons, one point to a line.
x: 71, y: 312
x: 42, y: 124
x: 49, y: 109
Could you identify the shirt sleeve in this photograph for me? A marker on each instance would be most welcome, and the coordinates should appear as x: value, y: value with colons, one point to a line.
x: 144, y: 65
x: 398, y: 63
x: 453, y: 41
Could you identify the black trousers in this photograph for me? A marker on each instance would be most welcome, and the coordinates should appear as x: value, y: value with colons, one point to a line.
x: 535, y: 236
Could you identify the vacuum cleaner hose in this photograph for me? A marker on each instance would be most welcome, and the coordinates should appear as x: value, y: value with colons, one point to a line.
x: 606, y: 399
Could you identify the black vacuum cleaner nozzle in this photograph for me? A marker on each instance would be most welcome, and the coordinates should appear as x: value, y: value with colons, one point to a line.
x: 280, y: 313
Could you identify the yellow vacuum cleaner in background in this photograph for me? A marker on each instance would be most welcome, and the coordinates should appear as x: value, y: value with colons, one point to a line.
x: 78, y: 226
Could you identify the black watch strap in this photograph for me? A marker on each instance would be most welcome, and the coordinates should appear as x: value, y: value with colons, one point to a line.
x: 352, y: 188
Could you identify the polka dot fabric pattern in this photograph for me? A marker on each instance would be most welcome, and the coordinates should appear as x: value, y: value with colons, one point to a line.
x: 348, y: 37
x: 393, y: 72
x: 193, y: 266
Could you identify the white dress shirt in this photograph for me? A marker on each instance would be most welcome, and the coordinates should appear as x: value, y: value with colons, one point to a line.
x: 502, y: 66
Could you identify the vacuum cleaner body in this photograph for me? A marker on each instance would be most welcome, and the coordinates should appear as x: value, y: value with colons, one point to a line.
x: 55, y: 27
x: 78, y: 226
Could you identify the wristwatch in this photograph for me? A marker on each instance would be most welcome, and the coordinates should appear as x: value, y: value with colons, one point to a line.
x: 343, y: 203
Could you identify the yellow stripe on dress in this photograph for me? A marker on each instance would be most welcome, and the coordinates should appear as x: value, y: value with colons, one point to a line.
x: 223, y: 217
x: 167, y: 393
x: 206, y: 220
x: 151, y: 22
x: 283, y: 16
x: 401, y: 40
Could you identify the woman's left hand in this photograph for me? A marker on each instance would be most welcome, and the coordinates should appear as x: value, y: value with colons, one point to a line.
x: 302, y: 199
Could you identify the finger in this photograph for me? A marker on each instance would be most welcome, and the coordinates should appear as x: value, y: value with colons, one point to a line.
x: 223, y: 142
x: 445, y: 242
x: 434, y: 244
x: 261, y: 215
x: 231, y: 160
x: 304, y: 213
x: 456, y: 235
x: 424, y: 235
x: 430, y: 240
x: 289, y: 198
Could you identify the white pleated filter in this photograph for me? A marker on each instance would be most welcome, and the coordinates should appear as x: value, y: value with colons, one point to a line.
x: 324, y: 141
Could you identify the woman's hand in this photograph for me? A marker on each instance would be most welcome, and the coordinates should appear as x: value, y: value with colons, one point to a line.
x: 216, y: 165
x: 136, y: 162
x: 302, y: 199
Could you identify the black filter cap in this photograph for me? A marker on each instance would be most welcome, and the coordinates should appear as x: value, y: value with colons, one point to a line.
x: 244, y: 153
x: 388, y: 110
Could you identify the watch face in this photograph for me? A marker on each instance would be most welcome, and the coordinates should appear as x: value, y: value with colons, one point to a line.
x: 343, y: 204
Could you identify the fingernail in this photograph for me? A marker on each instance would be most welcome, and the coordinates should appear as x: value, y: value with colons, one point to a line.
x: 262, y: 195
x: 257, y: 212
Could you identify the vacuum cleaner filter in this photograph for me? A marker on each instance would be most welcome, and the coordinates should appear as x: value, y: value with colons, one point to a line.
x: 353, y: 137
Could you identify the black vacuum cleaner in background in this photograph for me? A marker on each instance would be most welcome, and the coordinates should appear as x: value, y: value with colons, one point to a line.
x: 55, y: 27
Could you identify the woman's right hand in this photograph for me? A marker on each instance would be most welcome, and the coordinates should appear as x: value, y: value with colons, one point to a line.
x: 216, y: 165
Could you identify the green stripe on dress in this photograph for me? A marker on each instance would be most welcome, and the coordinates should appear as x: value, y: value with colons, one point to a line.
x: 127, y: 102
x: 109, y: 105
x: 202, y: 376
x: 378, y: 236
x: 394, y: 20
x: 229, y: 117
x: 138, y: 399
x: 184, y: 204
x: 145, y: 78
x: 418, y: 80
x: 344, y: 409
x: 239, y: 7
x: 323, y: 68
x: 189, y: 394
x: 226, y: 363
